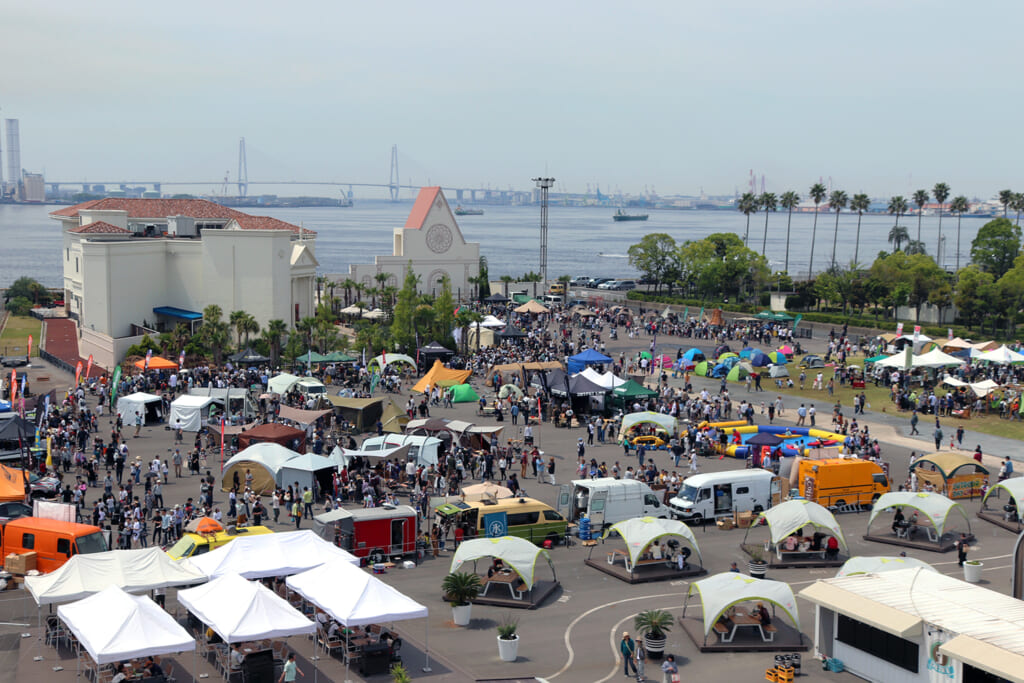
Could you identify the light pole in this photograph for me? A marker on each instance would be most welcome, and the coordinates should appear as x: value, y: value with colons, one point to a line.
x: 544, y: 184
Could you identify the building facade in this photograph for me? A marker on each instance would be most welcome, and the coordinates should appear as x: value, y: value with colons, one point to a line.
x: 434, y: 246
x: 136, y: 266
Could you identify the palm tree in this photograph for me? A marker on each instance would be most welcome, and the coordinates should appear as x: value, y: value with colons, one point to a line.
x: 959, y: 206
x: 789, y: 201
x: 769, y: 203
x: 836, y: 202
x: 920, y: 198
x: 275, y: 330
x: 215, y: 332
x: 941, y: 193
x: 897, y: 236
x: 237, y: 321
x: 1018, y: 204
x: 533, y: 278
x: 348, y: 284
x: 817, y: 193
x: 915, y: 247
x: 860, y: 203
x: 747, y: 205
x: 321, y: 283
x: 1005, y: 197
x: 897, y: 205
x: 505, y: 280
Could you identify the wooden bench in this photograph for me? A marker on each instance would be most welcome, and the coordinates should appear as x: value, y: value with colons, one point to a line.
x: 720, y: 628
x: 615, y: 555
x: 800, y: 554
x: 770, y: 630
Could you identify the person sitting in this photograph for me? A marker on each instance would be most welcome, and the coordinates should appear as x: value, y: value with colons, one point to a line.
x: 152, y: 668
x: 119, y: 674
x: 832, y: 548
x: 790, y: 544
x: 236, y: 657
x: 898, y: 521
x: 761, y: 614
x: 496, y: 567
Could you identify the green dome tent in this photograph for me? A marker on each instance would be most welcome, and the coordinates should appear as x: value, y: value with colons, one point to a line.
x: 463, y: 393
x: 702, y: 368
x: 737, y: 374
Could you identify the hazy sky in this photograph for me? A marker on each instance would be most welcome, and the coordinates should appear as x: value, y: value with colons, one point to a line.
x: 883, y: 97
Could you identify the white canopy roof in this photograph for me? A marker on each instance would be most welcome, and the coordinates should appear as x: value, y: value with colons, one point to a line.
x: 282, y: 554
x: 491, y: 321
x: 792, y: 515
x: 721, y: 591
x: 270, y: 455
x: 640, y: 532
x: 1002, y: 355
x: 354, y: 597
x: 936, y: 358
x: 606, y: 380
x: 982, y: 388
x: 920, y: 338
x: 876, y: 565
x: 240, y: 610
x: 906, y: 360
x: 113, y: 626
x: 1013, y: 486
x: 935, y: 506
x: 280, y: 384
x: 665, y: 421
x: 188, y: 409
x: 134, y: 571
x: 127, y: 405
x: 386, y: 360
x: 519, y: 554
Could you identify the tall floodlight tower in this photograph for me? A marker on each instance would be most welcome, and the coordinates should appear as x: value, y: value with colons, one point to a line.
x: 544, y: 184
x: 243, y: 169
x: 13, y: 152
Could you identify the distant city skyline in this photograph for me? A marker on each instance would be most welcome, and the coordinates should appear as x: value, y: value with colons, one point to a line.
x: 883, y: 98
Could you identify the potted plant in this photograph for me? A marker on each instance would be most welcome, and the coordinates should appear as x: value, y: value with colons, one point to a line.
x: 399, y: 674
x: 653, y: 624
x: 508, y: 639
x: 460, y: 589
x: 972, y: 571
x: 757, y: 566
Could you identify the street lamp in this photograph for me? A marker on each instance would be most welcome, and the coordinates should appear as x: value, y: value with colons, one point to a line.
x: 544, y: 184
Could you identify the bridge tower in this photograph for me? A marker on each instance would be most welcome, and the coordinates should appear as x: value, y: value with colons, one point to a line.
x: 544, y: 184
x: 394, y: 181
x: 243, y: 169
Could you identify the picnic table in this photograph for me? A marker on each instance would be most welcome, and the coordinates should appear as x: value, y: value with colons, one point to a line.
x: 505, y: 578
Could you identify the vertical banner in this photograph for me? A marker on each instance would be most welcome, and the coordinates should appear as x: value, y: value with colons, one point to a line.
x: 49, y: 452
x: 917, y: 333
x: 78, y: 373
x: 115, y: 382
x: 149, y: 355
x: 88, y: 368
x: 181, y: 360
x: 949, y: 333
x: 222, y: 445
x: 796, y: 321
x: 29, y: 354
x: 14, y: 385
x: 899, y: 330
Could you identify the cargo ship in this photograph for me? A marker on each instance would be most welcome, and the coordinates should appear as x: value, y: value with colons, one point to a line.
x: 459, y: 211
x: 621, y: 215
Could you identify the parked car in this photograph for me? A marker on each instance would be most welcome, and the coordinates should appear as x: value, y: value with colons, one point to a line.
x: 579, y: 281
x: 624, y: 285
x: 14, y: 510
x: 14, y: 361
x: 608, y: 284
x: 596, y: 282
x: 44, y: 487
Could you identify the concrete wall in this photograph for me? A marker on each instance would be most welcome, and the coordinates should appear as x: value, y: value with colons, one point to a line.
x: 105, y: 351
x: 929, y: 315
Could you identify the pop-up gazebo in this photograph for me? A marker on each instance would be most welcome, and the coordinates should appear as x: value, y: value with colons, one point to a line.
x: 719, y: 595
x: 956, y: 475
x: 666, y: 422
x: 641, y: 533
x: 1004, y: 514
x: 516, y: 553
x: 879, y: 564
x: 936, y: 509
x: 793, y: 515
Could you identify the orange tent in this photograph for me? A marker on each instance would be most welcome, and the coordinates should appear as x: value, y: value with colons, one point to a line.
x: 439, y: 375
x: 204, y: 525
x: 12, y: 484
x: 156, y: 363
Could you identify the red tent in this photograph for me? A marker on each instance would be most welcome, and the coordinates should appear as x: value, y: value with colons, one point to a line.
x: 295, y: 439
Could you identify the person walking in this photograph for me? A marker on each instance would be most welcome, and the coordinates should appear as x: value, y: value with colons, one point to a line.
x: 307, y: 501
x: 640, y: 661
x: 938, y: 436
x: 297, y: 513
x: 627, y: 647
x: 961, y: 550
x: 669, y: 669
x: 551, y: 470
x: 913, y: 423
x: 290, y: 669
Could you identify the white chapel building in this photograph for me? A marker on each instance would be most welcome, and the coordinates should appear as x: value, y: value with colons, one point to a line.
x: 138, y: 266
x: 432, y: 242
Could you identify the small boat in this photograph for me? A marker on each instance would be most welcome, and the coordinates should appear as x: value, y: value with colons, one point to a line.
x: 459, y: 211
x: 621, y: 215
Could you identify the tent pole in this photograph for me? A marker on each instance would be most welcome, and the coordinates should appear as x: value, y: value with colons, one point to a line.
x: 316, y: 667
x: 426, y: 648
x: 195, y: 663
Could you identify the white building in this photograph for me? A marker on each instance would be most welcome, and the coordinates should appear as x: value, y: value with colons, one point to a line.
x: 133, y: 266
x: 432, y: 242
x: 913, y: 625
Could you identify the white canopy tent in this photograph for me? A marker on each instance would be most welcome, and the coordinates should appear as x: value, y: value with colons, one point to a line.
x: 491, y: 321
x: 981, y: 389
x: 399, y: 452
x: 192, y: 411
x: 667, y: 422
x: 936, y: 359
x: 1014, y: 486
x: 424, y: 449
x: 721, y: 591
x: 607, y: 380
x: 517, y: 553
x: 128, y: 405
x: 239, y: 610
x: 1003, y: 354
x: 876, y: 565
x: 281, y: 554
x: 264, y: 460
x: 134, y: 571
x: 385, y: 360
x: 280, y: 384
x: 935, y: 506
x: 793, y: 515
x: 303, y: 469
x: 114, y: 626
x: 640, y: 532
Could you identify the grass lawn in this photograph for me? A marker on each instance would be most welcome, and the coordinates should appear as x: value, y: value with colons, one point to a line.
x: 878, y: 398
x: 14, y: 339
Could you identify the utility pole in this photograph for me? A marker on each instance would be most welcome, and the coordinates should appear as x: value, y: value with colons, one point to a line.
x: 544, y: 184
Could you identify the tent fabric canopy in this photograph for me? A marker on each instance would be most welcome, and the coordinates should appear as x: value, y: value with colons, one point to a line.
x: 264, y: 460
x: 127, y: 405
x: 273, y: 432
x: 464, y: 393
x: 936, y: 358
x: 876, y: 565
x: 280, y: 554
x: 192, y: 412
x: 640, y: 532
x: 590, y: 356
x: 134, y: 571
x: 517, y: 553
x: 1003, y: 354
x: 247, y: 355
x: 157, y: 363
x: 948, y: 464
x: 281, y: 384
x: 303, y: 417
x: 240, y: 611
x: 632, y: 389
x: 788, y: 517
x: 1014, y: 487
x: 385, y: 360
x: 12, y: 484
x: 935, y: 506
x: 439, y: 375
x: 532, y: 306
x: 607, y: 380
x: 365, y: 599
x: 666, y: 422
x: 114, y: 626
x: 721, y: 591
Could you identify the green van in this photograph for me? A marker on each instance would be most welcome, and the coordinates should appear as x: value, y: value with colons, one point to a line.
x: 524, y: 517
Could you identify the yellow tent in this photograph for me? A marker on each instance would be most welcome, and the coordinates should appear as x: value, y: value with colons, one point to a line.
x: 12, y: 484
x: 439, y: 375
x: 532, y: 306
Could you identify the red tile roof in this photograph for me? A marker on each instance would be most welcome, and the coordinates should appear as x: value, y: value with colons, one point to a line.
x: 100, y: 228
x: 194, y: 208
x: 421, y: 208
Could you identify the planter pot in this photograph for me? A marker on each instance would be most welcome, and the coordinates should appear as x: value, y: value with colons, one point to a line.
x: 461, y: 614
x: 972, y: 571
x: 508, y: 650
x: 655, y: 646
x: 757, y: 569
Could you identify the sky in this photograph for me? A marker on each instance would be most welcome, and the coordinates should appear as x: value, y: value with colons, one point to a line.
x: 878, y: 96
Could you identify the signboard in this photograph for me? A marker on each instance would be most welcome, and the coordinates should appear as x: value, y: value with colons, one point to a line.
x: 496, y: 524
x: 917, y: 333
x: 966, y: 486
x: 899, y: 330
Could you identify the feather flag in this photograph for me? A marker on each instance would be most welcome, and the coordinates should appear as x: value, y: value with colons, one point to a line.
x: 88, y: 368
x: 78, y: 372
x: 181, y: 360
x: 14, y: 385
x: 149, y: 355
x: 29, y: 346
x: 49, y: 453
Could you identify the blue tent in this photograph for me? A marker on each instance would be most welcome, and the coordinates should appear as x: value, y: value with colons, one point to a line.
x: 720, y: 370
x: 694, y: 355
x: 760, y: 359
x: 730, y: 362
x: 748, y: 352
x: 578, y: 362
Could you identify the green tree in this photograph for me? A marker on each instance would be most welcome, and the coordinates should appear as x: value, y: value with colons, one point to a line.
x: 485, y: 280
x: 348, y: 284
x: 27, y: 288
x: 898, y: 206
x: 973, y: 294
x: 817, y: 193
x: 532, y: 278
x: 1005, y: 197
x: 214, y: 333
x: 920, y: 198
x: 770, y: 204
x: 860, y: 203
x: 959, y: 206
x: 276, y: 329
x: 142, y: 347
x: 837, y: 202
x: 941, y: 194
x: 403, y: 326
x: 20, y: 305
x: 1017, y: 205
x: 789, y: 201
x: 656, y: 256
x: 444, y: 318
x: 996, y: 246
x: 897, y: 236
x: 747, y: 205
x: 917, y: 272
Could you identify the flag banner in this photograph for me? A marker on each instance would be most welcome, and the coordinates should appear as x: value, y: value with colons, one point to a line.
x: 917, y: 333
x: 949, y: 333
x: 29, y: 354
x: 181, y: 360
x: 14, y: 385
x: 222, y: 445
x: 78, y: 372
x: 49, y: 453
x: 88, y: 368
x: 899, y: 330
x: 114, y: 384
x: 149, y: 355
x: 796, y: 321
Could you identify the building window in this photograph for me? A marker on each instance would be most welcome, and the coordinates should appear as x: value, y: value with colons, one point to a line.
x: 67, y: 254
x: 76, y: 264
x: 522, y: 518
x: 974, y: 675
x: 878, y: 643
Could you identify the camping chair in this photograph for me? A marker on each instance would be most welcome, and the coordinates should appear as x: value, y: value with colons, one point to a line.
x: 55, y: 631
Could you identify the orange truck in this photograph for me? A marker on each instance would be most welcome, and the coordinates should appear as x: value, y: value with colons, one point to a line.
x: 841, y: 481
x: 52, y: 541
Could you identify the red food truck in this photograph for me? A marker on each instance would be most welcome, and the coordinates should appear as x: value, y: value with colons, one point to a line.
x: 376, y: 534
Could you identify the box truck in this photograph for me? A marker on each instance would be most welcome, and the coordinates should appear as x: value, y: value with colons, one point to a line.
x: 841, y: 481
x: 607, y: 500
x: 720, y: 494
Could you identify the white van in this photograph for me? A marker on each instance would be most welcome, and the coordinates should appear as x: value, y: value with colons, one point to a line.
x: 720, y: 494
x: 607, y: 500
x: 423, y: 449
x: 556, y: 299
x: 310, y: 387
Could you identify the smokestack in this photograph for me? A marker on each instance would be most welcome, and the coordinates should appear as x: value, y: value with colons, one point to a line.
x: 13, y: 151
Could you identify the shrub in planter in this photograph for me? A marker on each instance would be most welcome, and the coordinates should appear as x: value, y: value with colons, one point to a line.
x: 460, y: 589
x: 508, y: 638
x: 653, y: 625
